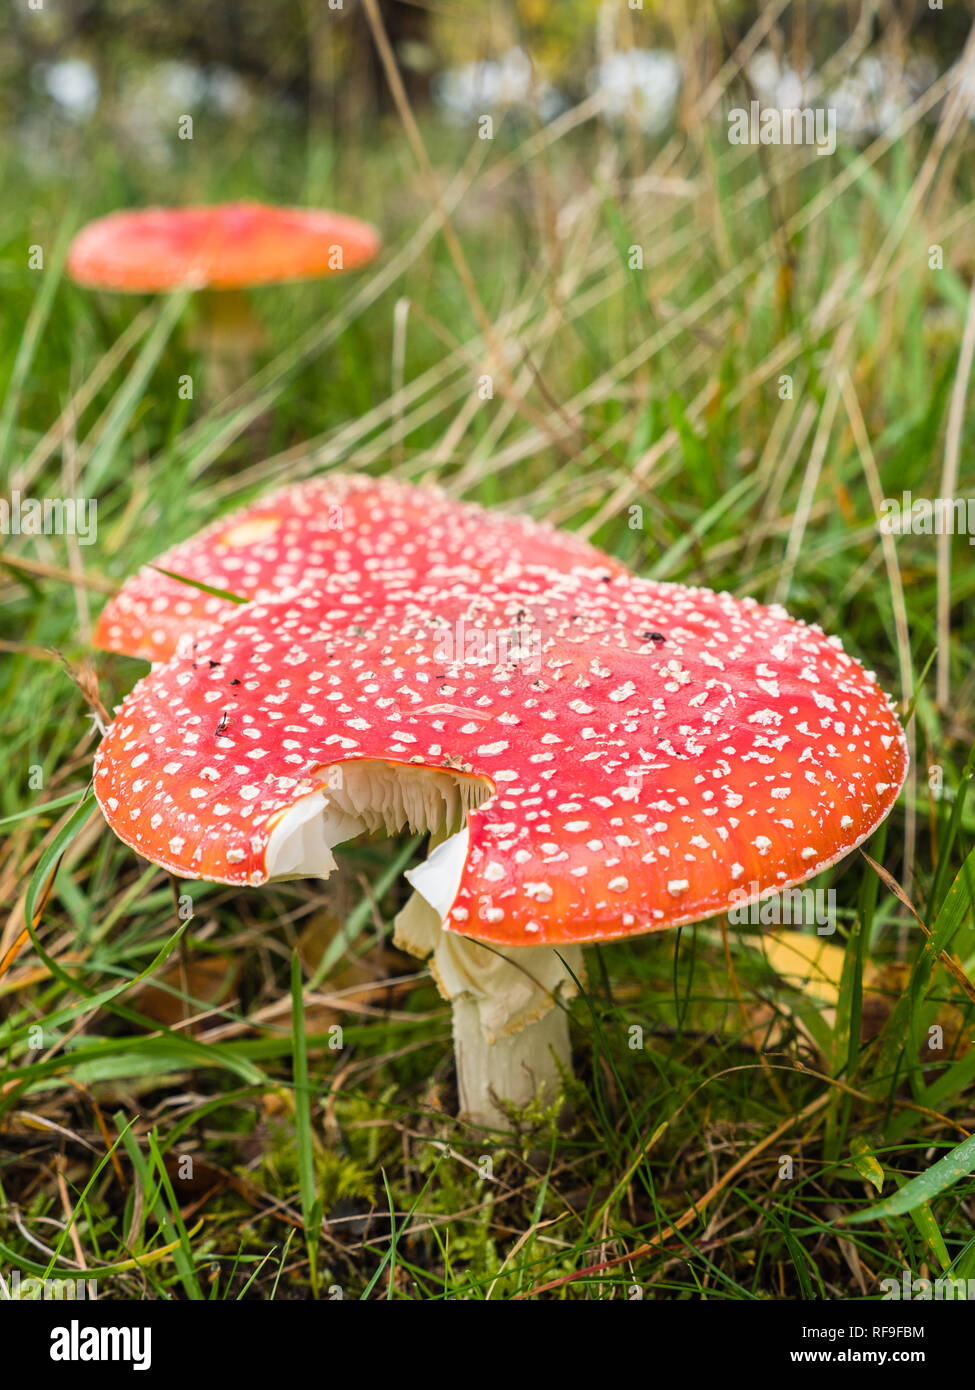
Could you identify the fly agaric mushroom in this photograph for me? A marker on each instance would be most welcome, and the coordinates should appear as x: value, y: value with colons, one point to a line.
x: 604, y: 760
x: 221, y: 250
x: 369, y: 534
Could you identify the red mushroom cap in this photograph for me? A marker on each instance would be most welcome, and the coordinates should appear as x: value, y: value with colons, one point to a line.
x: 370, y: 535
x: 227, y: 246
x: 662, y: 749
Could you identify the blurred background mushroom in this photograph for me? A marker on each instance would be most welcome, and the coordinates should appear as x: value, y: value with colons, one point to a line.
x: 220, y: 252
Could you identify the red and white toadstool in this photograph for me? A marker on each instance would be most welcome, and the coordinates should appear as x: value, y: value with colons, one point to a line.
x: 369, y: 535
x: 595, y: 761
x: 225, y: 246
x: 221, y: 250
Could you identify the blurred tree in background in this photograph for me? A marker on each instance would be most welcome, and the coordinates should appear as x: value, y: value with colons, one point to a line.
x: 308, y: 54
x: 321, y: 60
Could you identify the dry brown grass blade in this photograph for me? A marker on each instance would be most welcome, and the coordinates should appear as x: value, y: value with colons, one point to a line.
x: 949, y: 481
x: 12, y: 953
x: 69, y: 1214
x: 83, y: 397
x: 498, y: 355
x: 648, y: 1247
x: 31, y: 650
x: 44, y: 571
x: 899, y: 608
x: 950, y: 962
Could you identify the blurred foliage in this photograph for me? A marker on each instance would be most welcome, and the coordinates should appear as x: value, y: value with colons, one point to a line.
x: 558, y: 37
x: 321, y: 61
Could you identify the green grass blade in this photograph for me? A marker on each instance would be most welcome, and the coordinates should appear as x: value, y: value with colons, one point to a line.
x: 152, y: 1194
x: 57, y: 804
x: 198, y: 584
x: 311, y: 1206
x: 924, y: 1188
x: 132, y: 393
x: 33, y: 329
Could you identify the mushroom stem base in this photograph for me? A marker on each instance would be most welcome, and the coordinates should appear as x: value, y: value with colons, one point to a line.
x: 518, y: 1068
x: 511, y: 1033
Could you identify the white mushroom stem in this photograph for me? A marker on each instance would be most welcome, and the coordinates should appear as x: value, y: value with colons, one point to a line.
x: 511, y: 1037
x: 516, y: 1068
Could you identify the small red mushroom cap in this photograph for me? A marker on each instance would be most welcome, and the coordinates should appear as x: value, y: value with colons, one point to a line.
x: 367, y: 535
x: 651, y: 750
x: 226, y: 246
